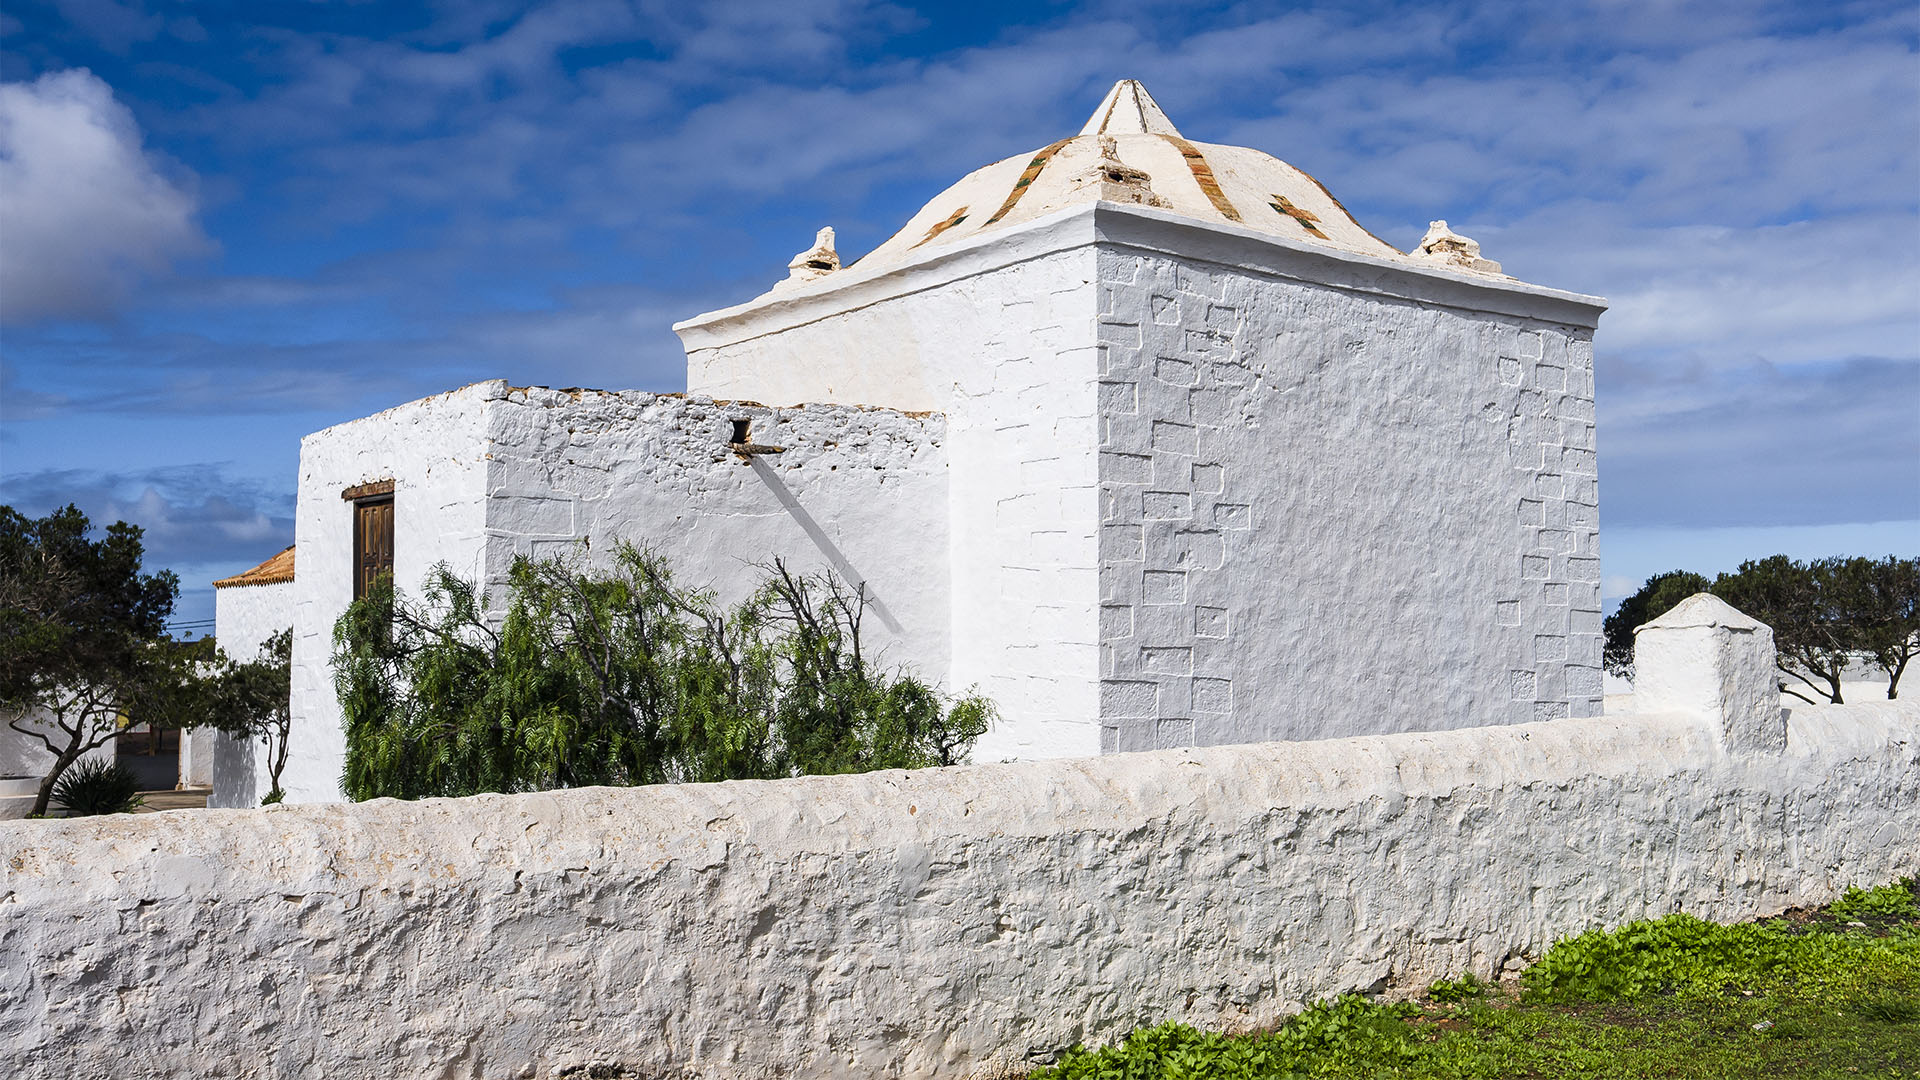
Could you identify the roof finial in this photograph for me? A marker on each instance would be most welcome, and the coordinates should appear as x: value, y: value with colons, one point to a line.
x: 816, y: 262
x: 1129, y: 110
x: 1443, y: 245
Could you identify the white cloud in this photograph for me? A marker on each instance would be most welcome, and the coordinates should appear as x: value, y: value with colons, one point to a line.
x: 86, y: 214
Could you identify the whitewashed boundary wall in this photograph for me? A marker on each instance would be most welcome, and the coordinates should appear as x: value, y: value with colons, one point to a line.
x: 953, y: 922
x: 493, y: 471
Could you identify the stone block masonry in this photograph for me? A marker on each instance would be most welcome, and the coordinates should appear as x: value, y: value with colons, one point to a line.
x: 1292, y: 472
x: 961, y: 922
x: 1197, y: 472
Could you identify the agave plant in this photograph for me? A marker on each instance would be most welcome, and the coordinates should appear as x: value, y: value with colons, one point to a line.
x: 98, y: 787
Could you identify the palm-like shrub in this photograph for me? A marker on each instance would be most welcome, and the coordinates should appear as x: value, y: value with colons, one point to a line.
x: 98, y: 787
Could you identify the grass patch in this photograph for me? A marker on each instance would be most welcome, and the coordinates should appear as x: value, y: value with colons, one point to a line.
x: 1831, y: 993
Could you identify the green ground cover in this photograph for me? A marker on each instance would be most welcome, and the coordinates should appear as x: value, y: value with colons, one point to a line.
x: 1833, y: 993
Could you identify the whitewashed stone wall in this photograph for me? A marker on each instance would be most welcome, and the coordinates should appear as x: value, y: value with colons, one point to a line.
x: 998, y: 335
x: 1283, y: 473
x: 1329, y: 488
x: 435, y: 449
x: 244, y: 617
x: 858, y: 492
x: 954, y: 922
x: 492, y: 471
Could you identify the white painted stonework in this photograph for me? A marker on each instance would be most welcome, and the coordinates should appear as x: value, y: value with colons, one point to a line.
x: 1149, y: 437
x: 1318, y: 474
x: 491, y: 471
x: 942, y: 923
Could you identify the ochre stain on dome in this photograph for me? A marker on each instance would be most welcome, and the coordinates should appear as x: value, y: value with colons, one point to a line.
x: 957, y: 217
x: 1307, y: 221
x: 1203, y: 175
x: 1026, y: 180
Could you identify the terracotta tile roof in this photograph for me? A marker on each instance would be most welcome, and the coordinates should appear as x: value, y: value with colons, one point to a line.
x: 272, y: 572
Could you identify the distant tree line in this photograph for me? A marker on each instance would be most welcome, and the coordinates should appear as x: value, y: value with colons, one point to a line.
x: 1826, y: 614
x: 624, y: 676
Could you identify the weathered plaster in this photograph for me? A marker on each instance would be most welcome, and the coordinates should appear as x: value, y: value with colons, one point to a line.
x: 947, y: 922
x: 492, y: 471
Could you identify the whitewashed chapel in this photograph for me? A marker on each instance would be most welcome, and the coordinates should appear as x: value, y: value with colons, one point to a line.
x: 1147, y: 438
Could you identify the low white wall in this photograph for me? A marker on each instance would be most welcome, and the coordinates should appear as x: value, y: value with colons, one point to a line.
x: 951, y: 922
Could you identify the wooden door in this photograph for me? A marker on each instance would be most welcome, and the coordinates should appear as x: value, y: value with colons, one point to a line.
x: 372, y: 543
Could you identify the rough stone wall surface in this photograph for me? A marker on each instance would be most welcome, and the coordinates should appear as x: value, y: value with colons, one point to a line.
x: 948, y: 922
x: 435, y: 451
x: 1006, y: 348
x: 855, y: 491
x: 244, y: 617
x: 491, y: 472
x: 1295, y: 476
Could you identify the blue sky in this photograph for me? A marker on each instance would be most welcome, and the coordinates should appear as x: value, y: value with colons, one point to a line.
x: 223, y: 226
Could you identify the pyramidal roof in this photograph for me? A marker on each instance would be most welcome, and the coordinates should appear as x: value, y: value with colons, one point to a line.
x: 1129, y: 151
x: 1129, y: 110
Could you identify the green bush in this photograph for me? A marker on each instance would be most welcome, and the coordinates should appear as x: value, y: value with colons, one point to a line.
x: 1887, y: 901
x: 98, y: 787
x: 624, y: 677
x: 1464, y: 988
x: 1347, y: 1032
x: 1682, y: 954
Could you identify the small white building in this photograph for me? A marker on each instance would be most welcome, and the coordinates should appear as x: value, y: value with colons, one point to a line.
x: 1146, y: 438
x: 248, y: 608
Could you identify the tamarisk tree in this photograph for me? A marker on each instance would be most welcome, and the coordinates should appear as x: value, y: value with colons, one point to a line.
x: 625, y: 677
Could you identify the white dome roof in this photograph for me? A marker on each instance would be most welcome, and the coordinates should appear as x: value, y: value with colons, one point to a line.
x: 1130, y: 152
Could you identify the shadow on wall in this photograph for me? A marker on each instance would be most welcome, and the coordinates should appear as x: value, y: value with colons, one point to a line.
x: 820, y: 540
